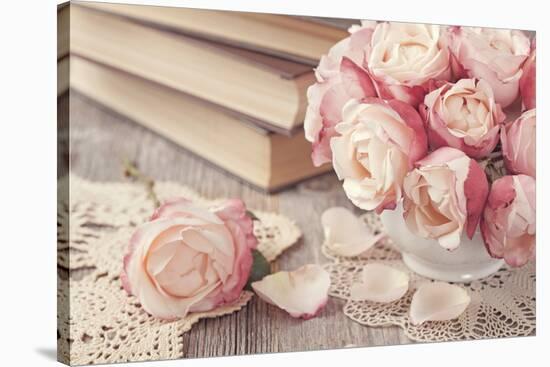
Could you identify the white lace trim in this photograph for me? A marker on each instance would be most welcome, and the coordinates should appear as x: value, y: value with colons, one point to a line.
x: 104, y: 324
x: 502, y: 305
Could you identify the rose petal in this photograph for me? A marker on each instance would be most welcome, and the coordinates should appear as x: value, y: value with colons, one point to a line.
x: 419, y: 147
x: 355, y: 80
x: 476, y: 190
x: 380, y: 283
x: 346, y: 234
x: 518, y: 140
x: 438, y: 301
x: 441, y: 156
x: 505, y: 92
x: 302, y: 292
x: 528, y: 81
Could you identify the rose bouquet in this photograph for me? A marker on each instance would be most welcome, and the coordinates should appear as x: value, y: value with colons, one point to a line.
x: 437, y: 121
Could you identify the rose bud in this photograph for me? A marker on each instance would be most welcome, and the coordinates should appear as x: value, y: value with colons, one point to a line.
x: 495, y: 55
x: 528, y: 82
x: 508, y: 224
x: 465, y: 116
x: 519, y: 142
x: 402, y: 59
x: 189, y: 258
x: 378, y: 143
x: 339, y: 79
x: 444, y: 195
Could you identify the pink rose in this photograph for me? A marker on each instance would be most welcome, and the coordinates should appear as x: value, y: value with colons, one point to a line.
x: 495, y: 55
x: 189, y: 258
x: 519, y: 141
x: 444, y: 195
x: 465, y: 116
x: 402, y: 59
x: 377, y: 144
x: 508, y: 224
x: 339, y: 79
x: 528, y: 82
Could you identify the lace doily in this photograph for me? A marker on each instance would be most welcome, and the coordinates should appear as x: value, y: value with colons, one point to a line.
x: 502, y: 305
x: 97, y: 321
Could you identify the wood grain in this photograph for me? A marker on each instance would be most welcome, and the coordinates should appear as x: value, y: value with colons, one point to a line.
x: 99, y: 139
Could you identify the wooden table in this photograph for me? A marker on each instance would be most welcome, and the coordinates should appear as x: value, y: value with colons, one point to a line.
x: 100, y: 139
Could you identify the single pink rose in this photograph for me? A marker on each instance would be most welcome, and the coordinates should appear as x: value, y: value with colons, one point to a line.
x: 519, y: 141
x: 508, y: 225
x: 402, y: 59
x: 188, y: 258
x: 465, y: 116
x: 528, y: 82
x: 495, y: 55
x: 444, y: 195
x: 339, y: 79
x: 377, y: 144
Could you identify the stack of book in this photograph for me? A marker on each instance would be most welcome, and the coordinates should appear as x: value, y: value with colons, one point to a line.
x: 228, y: 86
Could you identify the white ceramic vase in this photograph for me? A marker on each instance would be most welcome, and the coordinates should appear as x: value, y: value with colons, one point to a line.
x: 470, y: 261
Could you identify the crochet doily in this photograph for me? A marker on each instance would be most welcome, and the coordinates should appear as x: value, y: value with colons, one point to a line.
x: 502, y: 305
x: 97, y: 321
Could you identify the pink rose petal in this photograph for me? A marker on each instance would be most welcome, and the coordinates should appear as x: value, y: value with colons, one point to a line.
x: 528, y: 82
x: 380, y: 283
x: 519, y: 141
x: 302, y: 293
x: 346, y: 234
x: 438, y: 301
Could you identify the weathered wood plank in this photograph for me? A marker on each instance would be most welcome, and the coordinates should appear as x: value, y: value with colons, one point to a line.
x: 101, y: 138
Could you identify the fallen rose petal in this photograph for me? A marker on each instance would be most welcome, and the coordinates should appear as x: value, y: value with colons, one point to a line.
x: 302, y: 292
x: 346, y: 234
x: 380, y: 283
x: 438, y: 301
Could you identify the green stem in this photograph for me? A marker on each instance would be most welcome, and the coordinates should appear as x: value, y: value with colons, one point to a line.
x: 131, y: 170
